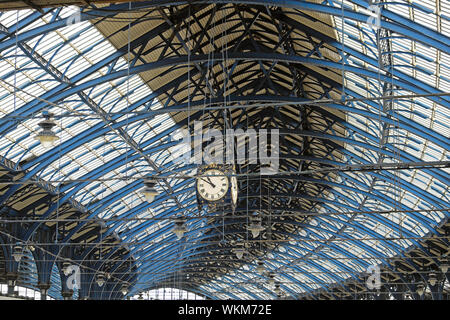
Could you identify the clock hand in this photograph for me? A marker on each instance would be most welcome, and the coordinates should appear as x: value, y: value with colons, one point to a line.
x: 209, y: 182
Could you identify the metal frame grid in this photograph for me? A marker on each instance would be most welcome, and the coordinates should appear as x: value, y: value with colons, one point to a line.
x: 114, y: 130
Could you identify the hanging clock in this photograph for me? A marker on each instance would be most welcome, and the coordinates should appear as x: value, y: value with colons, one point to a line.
x: 212, y: 185
x: 234, y: 189
x: 217, y: 187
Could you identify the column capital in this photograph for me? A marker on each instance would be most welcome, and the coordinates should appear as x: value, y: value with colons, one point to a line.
x: 43, y: 286
x: 11, y: 276
x: 67, y: 295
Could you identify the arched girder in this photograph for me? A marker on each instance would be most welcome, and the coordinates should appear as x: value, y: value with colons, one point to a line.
x: 112, y: 228
x: 203, y: 237
x: 383, y: 221
x: 182, y: 268
x: 168, y: 263
x: 331, y: 246
x: 137, y: 289
x: 267, y: 56
x: 403, y: 26
x: 210, y: 285
x: 67, y: 196
x: 377, y: 195
x: 135, y: 250
x: 403, y: 156
x: 160, y: 198
x: 245, y: 56
x: 424, y: 220
x: 310, y: 276
x: 383, y: 177
x: 193, y: 261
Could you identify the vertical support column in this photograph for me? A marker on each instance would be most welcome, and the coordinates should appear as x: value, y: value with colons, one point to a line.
x: 67, y: 295
x: 86, y: 277
x: 11, y: 279
x: 66, y: 289
x: 43, y: 287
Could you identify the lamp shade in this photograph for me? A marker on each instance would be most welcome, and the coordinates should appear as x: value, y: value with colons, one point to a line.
x: 46, y: 136
x: 239, y: 252
x: 124, y: 289
x: 420, y: 289
x: 100, y: 279
x: 149, y: 190
x: 260, y: 267
x: 179, y: 228
x: 17, y: 253
x: 66, y: 267
x: 255, y: 227
x: 432, y: 278
x: 271, y: 280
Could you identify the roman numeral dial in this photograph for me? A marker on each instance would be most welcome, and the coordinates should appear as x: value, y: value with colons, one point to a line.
x: 212, y: 185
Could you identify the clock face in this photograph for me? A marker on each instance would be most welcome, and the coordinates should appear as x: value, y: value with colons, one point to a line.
x: 213, y: 185
x: 234, y: 189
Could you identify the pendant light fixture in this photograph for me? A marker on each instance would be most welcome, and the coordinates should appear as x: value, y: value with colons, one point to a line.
x: 239, y: 251
x: 432, y: 278
x: 260, y: 267
x: 46, y: 136
x: 271, y: 280
x: 66, y: 267
x: 277, y: 289
x: 149, y: 190
x: 179, y: 228
x: 124, y: 289
x: 17, y: 253
x: 255, y: 227
x: 444, y: 265
x: 100, y: 279
x: 420, y: 289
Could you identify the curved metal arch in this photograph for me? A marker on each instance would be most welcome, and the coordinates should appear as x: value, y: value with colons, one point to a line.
x: 413, y: 191
x: 287, y: 234
x: 344, y: 222
x: 206, y: 250
x: 247, y: 56
x: 111, y: 230
x: 227, y: 283
x: 404, y: 26
x: 337, y: 278
x: 208, y: 285
x: 316, y: 266
x: 99, y: 265
x: 260, y: 56
x: 384, y: 178
x: 69, y: 194
x: 141, y: 290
